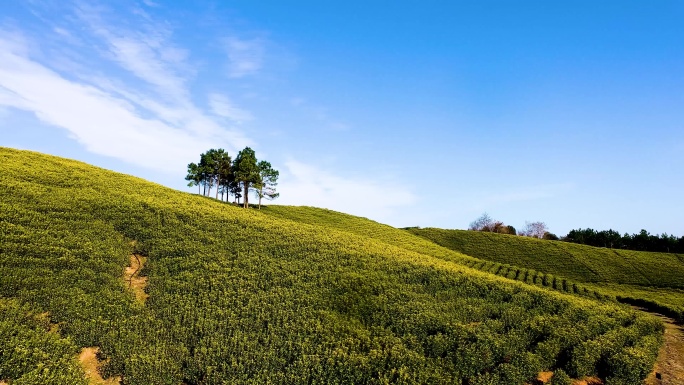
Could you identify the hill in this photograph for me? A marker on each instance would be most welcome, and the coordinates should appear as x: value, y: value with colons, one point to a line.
x: 243, y: 296
x: 645, y: 278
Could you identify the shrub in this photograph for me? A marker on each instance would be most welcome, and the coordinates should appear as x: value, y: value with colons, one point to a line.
x: 560, y: 378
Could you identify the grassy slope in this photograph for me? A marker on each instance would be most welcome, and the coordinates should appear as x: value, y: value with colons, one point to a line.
x: 406, y: 240
x: 653, y: 277
x: 242, y: 296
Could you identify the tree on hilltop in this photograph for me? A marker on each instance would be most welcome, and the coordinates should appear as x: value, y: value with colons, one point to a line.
x: 236, y: 177
x: 483, y: 223
x: 222, y: 168
x: 487, y: 224
x: 246, y: 172
x: 213, y: 169
x: 534, y: 230
x: 265, y: 188
x: 550, y: 236
x: 194, y: 177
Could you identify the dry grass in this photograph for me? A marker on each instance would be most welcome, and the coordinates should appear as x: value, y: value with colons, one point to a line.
x: 588, y: 381
x: 544, y: 377
x: 90, y: 364
x: 135, y: 281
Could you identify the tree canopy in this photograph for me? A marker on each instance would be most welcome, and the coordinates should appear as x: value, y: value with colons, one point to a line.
x: 641, y: 241
x: 216, y: 169
x: 487, y: 224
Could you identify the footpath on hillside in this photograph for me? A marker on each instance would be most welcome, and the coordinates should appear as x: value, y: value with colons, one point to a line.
x: 135, y: 281
x: 669, y: 368
x: 88, y: 356
x: 91, y: 366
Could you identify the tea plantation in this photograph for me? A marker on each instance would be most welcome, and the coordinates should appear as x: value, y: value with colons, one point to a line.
x: 282, y: 295
x: 655, y: 280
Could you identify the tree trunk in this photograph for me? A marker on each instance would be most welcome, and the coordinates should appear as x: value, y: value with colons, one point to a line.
x: 218, y: 184
x: 246, y: 204
x: 199, y: 189
x: 261, y: 193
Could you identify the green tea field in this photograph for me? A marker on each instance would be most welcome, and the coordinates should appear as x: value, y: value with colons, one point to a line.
x: 174, y: 288
x: 645, y: 278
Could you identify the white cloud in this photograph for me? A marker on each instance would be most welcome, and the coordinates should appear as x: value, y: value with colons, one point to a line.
x: 145, y: 52
x: 245, y: 56
x: 222, y: 106
x: 377, y: 199
x: 107, y: 119
x: 63, y: 32
x: 141, y: 59
x: 124, y: 91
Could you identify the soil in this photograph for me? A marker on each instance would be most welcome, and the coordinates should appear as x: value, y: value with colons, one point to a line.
x: 90, y: 364
x: 135, y: 281
x: 588, y: 381
x: 544, y: 377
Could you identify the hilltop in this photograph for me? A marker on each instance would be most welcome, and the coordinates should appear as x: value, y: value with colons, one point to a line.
x: 280, y: 295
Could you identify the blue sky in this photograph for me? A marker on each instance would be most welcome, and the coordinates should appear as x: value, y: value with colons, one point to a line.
x: 409, y: 113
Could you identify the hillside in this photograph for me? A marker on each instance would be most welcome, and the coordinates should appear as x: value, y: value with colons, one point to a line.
x: 647, y: 278
x: 281, y: 295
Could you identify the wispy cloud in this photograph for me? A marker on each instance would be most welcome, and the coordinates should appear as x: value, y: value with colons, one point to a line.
x: 222, y: 106
x: 103, y: 123
x: 153, y: 122
x: 125, y: 90
x: 375, y: 198
x: 146, y: 51
x: 245, y: 56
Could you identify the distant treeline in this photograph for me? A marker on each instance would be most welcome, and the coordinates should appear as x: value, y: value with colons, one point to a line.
x: 643, y: 241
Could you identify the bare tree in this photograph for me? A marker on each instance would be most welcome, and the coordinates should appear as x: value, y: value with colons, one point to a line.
x: 534, y: 229
x: 483, y: 223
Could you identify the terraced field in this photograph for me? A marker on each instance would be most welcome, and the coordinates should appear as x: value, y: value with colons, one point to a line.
x: 655, y: 280
x: 283, y: 295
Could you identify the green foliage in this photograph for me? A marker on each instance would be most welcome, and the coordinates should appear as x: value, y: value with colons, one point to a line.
x: 550, y: 236
x: 30, y: 353
x: 643, y: 241
x: 282, y: 295
x: 560, y: 378
x: 268, y: 180
x: 577, y: 262
x: 652, y: 280
x: 246, y: 171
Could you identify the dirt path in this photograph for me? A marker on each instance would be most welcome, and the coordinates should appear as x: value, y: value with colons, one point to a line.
x: 90, y: 364
x: 135, y: 281
x: 670, y: 364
